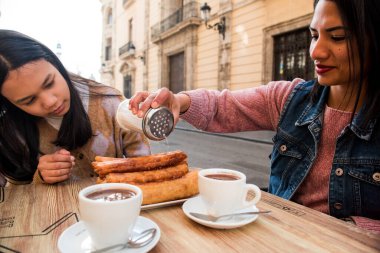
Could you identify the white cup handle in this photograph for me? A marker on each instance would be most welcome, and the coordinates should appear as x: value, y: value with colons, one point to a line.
x: 252, y: 195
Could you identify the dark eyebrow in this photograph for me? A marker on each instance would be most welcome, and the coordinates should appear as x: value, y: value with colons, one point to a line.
x: 330, y: 29
x: 46, y: 80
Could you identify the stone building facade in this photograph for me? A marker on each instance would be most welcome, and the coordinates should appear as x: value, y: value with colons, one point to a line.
x: 165, y: 43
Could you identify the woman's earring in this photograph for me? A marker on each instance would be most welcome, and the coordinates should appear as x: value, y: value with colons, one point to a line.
x: 2, y: 112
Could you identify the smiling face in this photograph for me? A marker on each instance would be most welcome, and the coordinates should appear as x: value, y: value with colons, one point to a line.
x: 329, y: 46
x: 39, y: 89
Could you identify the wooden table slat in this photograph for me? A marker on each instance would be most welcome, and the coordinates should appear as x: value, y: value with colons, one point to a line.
x: 33, y: 216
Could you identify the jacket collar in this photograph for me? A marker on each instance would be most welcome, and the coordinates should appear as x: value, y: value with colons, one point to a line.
x: 362, y: 130
x: 314, y: 110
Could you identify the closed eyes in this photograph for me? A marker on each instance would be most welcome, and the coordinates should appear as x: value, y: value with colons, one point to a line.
x: 47, y: 85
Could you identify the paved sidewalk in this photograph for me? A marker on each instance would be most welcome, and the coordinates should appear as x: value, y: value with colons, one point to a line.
x: 255, y: 136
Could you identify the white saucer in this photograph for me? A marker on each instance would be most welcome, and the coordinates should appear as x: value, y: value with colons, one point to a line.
x: 75, y: 239
x: 196, y: 205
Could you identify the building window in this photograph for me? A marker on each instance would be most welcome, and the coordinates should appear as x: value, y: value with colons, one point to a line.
x: 109, y: 17
x: 127, y: 86
x: 130, y: 29
x: 108, y: 50
x: 108, y: 53
x: 291, y: 56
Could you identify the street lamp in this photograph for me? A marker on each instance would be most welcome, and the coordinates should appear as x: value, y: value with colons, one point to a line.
x: 220, y: 26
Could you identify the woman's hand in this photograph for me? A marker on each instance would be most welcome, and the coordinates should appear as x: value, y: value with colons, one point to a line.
x: 56, y: 167
x: 143, y: 100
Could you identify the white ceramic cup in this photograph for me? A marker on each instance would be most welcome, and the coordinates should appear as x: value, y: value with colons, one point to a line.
x: 109, y: 222
x: 226, y: 196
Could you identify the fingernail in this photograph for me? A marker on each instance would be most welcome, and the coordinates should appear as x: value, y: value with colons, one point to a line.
x: 154, y: 104
x: 140, y: 114
x: 72, y: 158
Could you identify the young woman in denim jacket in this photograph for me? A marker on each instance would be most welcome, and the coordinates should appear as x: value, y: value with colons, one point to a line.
x: 51, y: 121
x: 326, y: 151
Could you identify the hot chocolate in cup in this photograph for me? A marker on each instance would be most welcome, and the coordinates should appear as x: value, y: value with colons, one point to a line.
x: 109, y: 212
x: 224, y: 191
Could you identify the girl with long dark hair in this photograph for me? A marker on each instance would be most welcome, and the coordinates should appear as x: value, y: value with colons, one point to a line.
x: 52, y: 122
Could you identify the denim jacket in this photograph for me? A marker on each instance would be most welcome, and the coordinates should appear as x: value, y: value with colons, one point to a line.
x: 354, y: 185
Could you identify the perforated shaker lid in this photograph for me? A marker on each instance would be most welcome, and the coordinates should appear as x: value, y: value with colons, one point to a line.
x: 158, y: 123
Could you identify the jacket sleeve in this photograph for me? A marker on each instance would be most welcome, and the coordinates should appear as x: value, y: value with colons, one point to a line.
x: 134, y: 143
x: 110, y: 138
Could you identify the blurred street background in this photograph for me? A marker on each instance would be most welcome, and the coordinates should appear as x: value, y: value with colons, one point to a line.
x: 147, y: 45
x: 246, y: 152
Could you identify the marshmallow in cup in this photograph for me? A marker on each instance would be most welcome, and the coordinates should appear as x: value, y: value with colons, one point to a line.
x: 109, y: 212
x: 224, y: 191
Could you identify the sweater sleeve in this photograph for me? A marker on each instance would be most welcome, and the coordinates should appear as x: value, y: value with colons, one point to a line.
x: 367, y: 223
x: 236, y: 111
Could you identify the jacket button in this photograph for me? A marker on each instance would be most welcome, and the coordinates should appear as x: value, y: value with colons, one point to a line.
x: 283, y: 148
x: 339, y: 172
x: 376, y: 176
x: 80, y: 156
x: 338, y: 206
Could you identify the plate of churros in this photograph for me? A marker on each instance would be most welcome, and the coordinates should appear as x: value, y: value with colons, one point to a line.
x: 164, y: 178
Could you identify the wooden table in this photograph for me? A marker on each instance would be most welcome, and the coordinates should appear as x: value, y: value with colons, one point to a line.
x: 32, y: 217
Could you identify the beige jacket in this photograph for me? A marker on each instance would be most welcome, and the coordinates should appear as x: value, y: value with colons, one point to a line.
x: 108, y: 140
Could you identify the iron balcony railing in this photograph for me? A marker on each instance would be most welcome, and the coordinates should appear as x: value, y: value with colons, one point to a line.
x: 188, y: 11
x: 126, y: 48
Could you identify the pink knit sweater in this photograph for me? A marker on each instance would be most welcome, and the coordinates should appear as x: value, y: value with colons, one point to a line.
x: 259, y: 109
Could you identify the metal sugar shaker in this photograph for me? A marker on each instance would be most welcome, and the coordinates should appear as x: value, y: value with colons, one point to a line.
x: 158, y: 123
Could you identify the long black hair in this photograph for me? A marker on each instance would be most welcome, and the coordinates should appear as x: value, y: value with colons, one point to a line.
x: 19, y: 135
x: 362, y: 17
